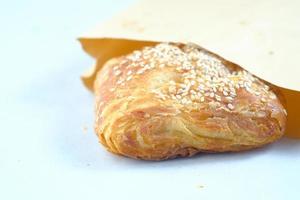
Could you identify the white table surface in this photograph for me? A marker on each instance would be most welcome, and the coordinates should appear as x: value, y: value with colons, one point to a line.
x: 44, y: 152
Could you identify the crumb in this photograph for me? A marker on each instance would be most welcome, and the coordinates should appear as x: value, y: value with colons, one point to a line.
x: 200, y: 186
x: 84, y: 129
x: 243, y: 22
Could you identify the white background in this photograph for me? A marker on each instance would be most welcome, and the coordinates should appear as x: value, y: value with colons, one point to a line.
x: 44, y: 152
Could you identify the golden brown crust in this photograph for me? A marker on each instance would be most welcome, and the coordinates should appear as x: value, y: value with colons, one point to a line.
x: 177, y: 100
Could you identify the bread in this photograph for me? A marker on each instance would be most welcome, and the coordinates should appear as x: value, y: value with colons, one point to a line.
x: 175, y: 100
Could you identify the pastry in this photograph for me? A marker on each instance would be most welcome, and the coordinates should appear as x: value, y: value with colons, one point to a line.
x: 175, y: 100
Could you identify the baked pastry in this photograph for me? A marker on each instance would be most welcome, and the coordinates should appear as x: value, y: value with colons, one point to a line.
x: 174, y: 100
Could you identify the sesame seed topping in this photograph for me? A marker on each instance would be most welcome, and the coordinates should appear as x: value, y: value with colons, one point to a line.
x: 197, y: 74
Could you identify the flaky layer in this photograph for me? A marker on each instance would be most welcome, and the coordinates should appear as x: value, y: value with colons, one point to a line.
x: 176, y: 100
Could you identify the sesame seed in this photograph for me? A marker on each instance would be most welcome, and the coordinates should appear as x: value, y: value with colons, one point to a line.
x: 233, y: 94
x: 162, y: 97
x: 248, y: 89
x: 230, y: 106
x: 172, y: 89
x: 184, y: 101
x: 161, y: 65
x: 218, y: 98
x: 266, y: 87
x: 128, y: 78
x: 192, y: 91
x: 272, y: 96
x: 229, y: 98
x: 260, y: 114
x: 118, y: 72
x: 140, y: 71
x: 129, y: 72
x: 178, y: 96
x: 119, y: 81
x: 172, y: 82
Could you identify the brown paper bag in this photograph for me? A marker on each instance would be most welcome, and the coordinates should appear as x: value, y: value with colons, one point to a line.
x: 263, y: 37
